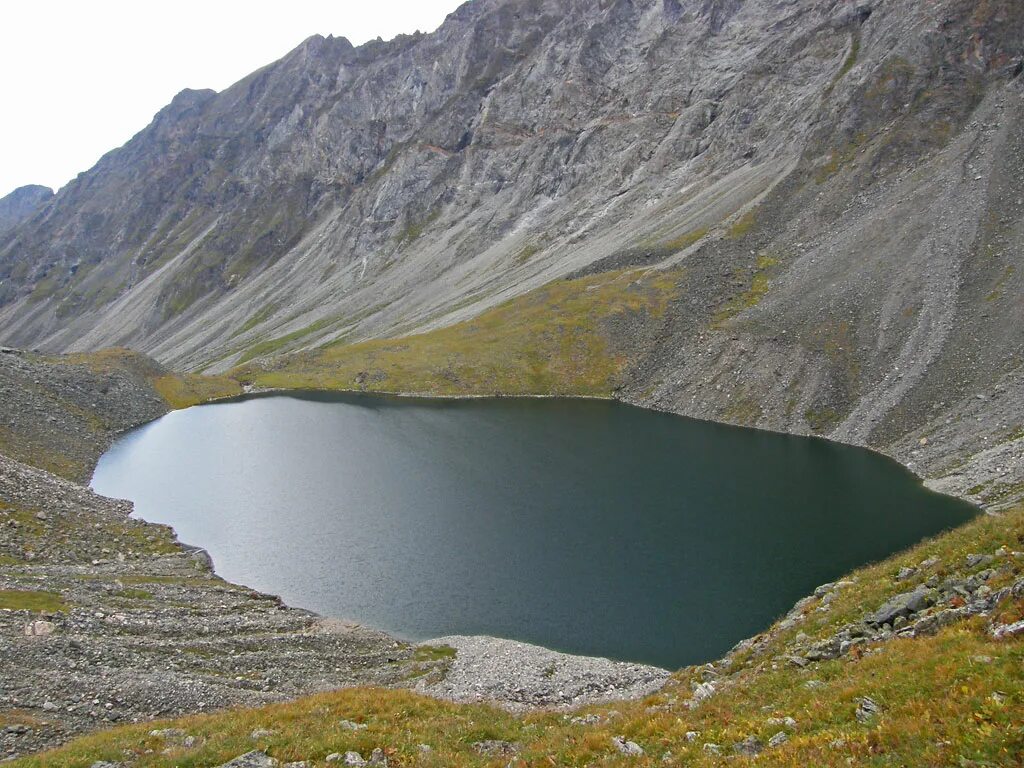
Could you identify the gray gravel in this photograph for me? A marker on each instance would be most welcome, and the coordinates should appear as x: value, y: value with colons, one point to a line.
x: 519, y: 676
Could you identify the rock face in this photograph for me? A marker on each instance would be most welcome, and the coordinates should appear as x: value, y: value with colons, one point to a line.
x: 21, y: 204
x: 841, y: 181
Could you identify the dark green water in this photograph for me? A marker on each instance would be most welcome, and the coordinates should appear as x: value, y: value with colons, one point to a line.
x: 590, y: 527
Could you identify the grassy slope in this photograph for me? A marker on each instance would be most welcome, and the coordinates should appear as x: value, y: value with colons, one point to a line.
x: 554, y: 340
x: 953, y: 699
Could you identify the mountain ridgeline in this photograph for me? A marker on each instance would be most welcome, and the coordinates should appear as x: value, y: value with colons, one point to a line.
x: 834, y: 191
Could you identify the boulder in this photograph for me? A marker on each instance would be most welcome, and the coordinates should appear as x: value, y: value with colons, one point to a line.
x: 903, y: 604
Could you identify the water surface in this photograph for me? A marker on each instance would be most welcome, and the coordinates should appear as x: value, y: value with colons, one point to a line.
x: 586, y: 526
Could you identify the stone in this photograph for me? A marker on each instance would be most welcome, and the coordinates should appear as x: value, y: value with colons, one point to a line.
x: 692, y: 735
x: 1003, y: 631
x: 628, y: 748
x: 254, y: 759
x: 348, y: 725
x: 866, y: 710
x: 262, y: 733
x: 496, y: 748
x: 40, y: 628
x: 353, y: 758
x: 903, y: 604
x: 905, y: 573
x: 378, y: 757
x: 714, y: 749
x: 974, y: 560
x: 778, y: 739
x: 749, y: 746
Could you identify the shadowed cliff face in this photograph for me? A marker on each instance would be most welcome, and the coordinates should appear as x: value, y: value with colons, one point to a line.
x: 839, y: 183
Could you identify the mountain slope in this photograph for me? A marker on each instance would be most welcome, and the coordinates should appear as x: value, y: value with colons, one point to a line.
x: 20, y: 204
x: 835, y: 189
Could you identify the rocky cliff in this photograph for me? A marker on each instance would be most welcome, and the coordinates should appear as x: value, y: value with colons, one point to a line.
x: 834, y: 186
x: 21, y: 204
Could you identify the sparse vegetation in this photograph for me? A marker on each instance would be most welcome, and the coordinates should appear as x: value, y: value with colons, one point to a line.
x: 759, y: 285
x: 554, y: 340
x: 184, y: 390
x: 31, y: 600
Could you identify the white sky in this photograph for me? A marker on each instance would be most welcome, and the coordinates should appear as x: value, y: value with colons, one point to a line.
x: 81, y: 77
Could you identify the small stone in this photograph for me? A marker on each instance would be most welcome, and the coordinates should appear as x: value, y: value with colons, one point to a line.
x: 866, y: 710
x: 348, y: 725
x: 814, y: 685
x: 39, y: 628
x: 714, y: 749
x: 49, y: 706
x: 262, y: 733
x: 353, y: 758
x: 905, y: 573
x: 778, y: 739
x: 334, y: 757
x: 929, y: 563
x: 692, y: 735
x: 254, y: 759
x: 629, y: 748
x: 1008, y: 630
x: 749, y: 746
x: 377, y: 757
x: 425, y: 749
x: 496, y: 747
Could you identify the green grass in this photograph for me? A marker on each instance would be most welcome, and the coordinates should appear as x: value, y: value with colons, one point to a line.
x: 255, y: 319
x: 760, y: 283
x: 433, y: 653
x: 821, y: 419
x: 953, y: 699
x: 184, y: 390
x: 848, y: 63
x: 270, y: 346
x: 742, y: 225
x: 557, y: 339
x: 31, y: 600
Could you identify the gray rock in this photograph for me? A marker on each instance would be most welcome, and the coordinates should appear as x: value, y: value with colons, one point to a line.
x: 349, y: 725
x: 903, y: 604
x: 629, y: 748
x: 254, y: 759
x: 749, y: 746
x: 496, y: 748
x: 1002, y: 631
x: 866, y: 710
x: 905, y: 573
x: 778, y: 739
